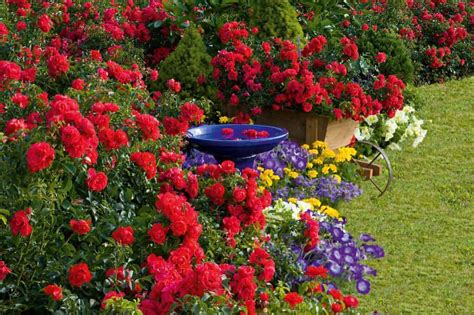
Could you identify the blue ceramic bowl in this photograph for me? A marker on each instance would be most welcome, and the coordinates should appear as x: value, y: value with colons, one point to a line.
x: 237, y: 146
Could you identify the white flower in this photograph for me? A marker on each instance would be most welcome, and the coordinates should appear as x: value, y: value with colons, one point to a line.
x: 363, y: 133
x: 421, y: 136
x: 372, y: 119
x: 408, y: 109
x: 390, y: 128
x: 401, y: 117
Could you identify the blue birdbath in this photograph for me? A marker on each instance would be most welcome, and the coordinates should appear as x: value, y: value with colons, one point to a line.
x: 236, y: 142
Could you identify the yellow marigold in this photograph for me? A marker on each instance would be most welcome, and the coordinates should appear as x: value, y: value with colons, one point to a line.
x: 313, y: 174
x: 320, y: 144
x: 309, y: 165
x: 286, y: 170
x: 223, y: 119
x: 337, y: 177
x: 313, y: 151
x: 333, y: 213
x: 276, y: 177
x: 261, y: 169
x: 305, y: 146
x: 292, y: 200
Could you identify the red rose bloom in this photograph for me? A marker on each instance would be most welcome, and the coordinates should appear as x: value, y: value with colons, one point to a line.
x: 57, y: 65
x: 319, y: 271
x: 335, y: 294
x: 79, y: 274
x: 54, y: 291
x: 350, y: 301
x: 78, y: 84
x: 216, y: 193
x: 44, y: 23
x: 239, y: 194
x: 293, y: 299
x: 157, y: 233
x: 20, y: 224
x: 39, y: 156
x: 80, y: 227
x: 336, y: 308
x: 381, y: 57
x: 228, y: 167
x: 4, y: 270
x: 96, y: 181
x: 124, y: 235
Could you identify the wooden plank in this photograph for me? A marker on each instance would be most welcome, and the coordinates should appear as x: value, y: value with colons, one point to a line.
x: 376, y: 168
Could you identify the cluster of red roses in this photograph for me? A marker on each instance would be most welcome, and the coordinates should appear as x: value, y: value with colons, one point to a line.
x: 277, y: 75
x: 440, y: 26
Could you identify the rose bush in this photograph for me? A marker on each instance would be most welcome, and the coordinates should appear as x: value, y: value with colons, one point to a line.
x: 98, y: 213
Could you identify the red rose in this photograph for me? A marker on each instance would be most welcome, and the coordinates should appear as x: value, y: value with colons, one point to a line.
x: 227, y: 131
x: 57, y: 65
x: 174, y: 85
x: 80, y: 227
x: 243, y: 284
x: 319, y: 271
x: 381, y: 57
x: 228, y: 167
x: 124, y: 235
x: 336, y: 308
x: 209, y: 277
x: 157, y: 233
x: 293, y: 299
x: 44, y: 23
x: 239, y: 194
x: 54, y: 291
x: 338, y: 113
x: 20, y: 224
x: 96, y: 181
x: 78, y: 84
x: 351, y: 301
x: 39, y: 156
x: 111, y: 295
x: 79, y: 274
x: 4, y: 270
x: 216, y: 193
x: 179, y: 228
x: 335, y: 294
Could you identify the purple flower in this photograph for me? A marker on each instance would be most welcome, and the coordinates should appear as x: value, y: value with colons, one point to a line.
x: 366, y: 238
x: 363, y: 286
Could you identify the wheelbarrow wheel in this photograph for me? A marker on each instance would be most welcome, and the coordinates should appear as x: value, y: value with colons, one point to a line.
x: 376, y: 168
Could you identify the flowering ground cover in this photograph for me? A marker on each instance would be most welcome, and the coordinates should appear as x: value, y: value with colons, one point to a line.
x: 425, y: 222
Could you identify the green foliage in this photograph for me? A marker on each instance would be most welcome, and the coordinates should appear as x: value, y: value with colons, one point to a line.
x: 275, y: 18
x: 122, y: 306
x: 187, y: 63
x: 398, y: 56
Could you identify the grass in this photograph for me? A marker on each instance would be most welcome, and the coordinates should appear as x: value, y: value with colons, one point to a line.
x: 425, y: 222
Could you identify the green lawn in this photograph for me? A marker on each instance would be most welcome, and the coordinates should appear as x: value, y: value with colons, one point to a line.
x: 426, y: 221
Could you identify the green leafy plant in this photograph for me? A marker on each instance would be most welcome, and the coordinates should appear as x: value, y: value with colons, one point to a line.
x: 189, y: 64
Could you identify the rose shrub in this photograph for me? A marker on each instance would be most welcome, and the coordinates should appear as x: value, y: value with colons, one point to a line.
x: 98, y: 213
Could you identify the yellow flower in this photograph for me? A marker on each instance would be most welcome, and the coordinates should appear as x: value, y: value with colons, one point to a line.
x: 292, y: 200
x: 293, y: 174
x: 320, y: 144
x: 305, y: 146
x: 345, y: 154
x: 313, y: 202
x: 276, y: 177
x: 312, y: 173
x: 318, y: 161
x: 333, y: 213
x: 325, y: 169
x: 223, y: 119
x: 309, y: 165
x: 286, y: 170
x: 337, y: 177
x: 328, y: 154
x: 261, y: 169
x: 313, y: 151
